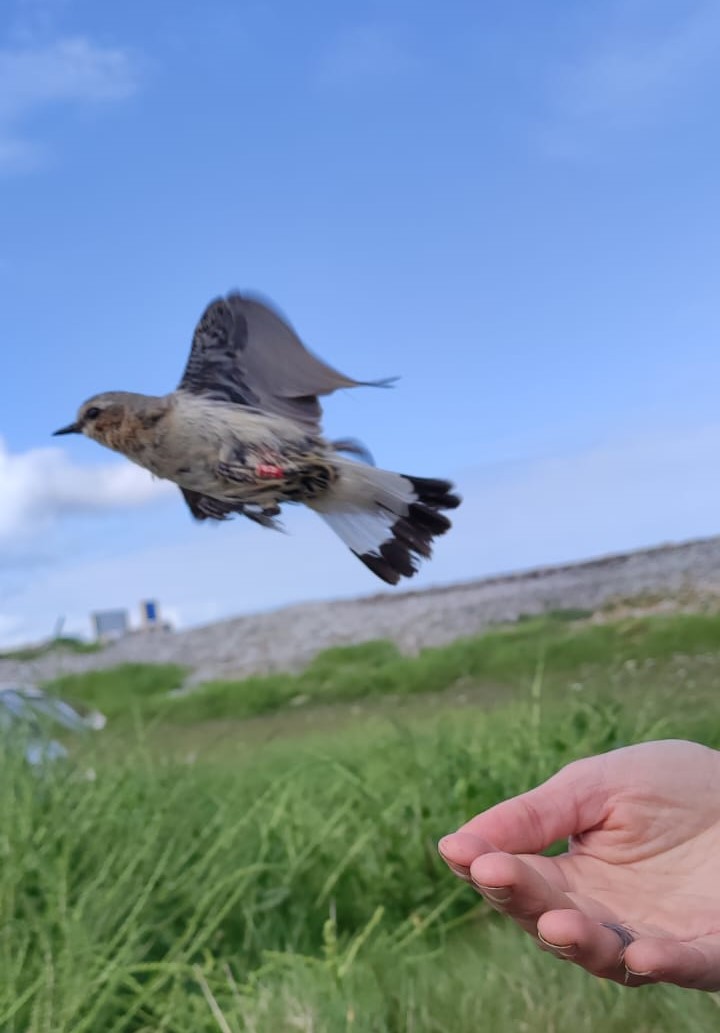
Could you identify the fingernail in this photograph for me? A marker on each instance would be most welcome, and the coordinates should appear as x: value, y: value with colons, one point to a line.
x: 495, y: 894
x: 563, y: 950
x: 456, y: 869
x: 642, y: 975
x: 443, y: 845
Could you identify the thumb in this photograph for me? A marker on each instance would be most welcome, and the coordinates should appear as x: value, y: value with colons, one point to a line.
x: 573, y: 800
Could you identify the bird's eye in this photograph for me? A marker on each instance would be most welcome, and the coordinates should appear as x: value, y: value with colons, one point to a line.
x: 92, y: 413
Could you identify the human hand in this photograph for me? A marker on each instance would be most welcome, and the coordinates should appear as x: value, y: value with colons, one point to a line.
x: 643, y: 824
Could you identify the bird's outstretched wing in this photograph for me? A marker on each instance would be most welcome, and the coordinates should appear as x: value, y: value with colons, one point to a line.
x: 244, y: 352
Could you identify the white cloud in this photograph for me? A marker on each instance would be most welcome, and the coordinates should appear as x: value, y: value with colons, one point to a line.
x: 64, y: 71
x: 39, y: 487
x: 623, y: 495
x: 71, y: 70
x: 633, y: 75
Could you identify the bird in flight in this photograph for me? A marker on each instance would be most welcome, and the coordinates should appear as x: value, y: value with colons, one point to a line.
x: 241, y: 434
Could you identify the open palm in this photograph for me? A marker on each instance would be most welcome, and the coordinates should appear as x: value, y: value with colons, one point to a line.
x: 643, y: 825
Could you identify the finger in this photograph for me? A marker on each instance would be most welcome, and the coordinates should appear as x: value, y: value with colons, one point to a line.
x: 570, y: 802
x: 694, y: 965
x: 599, y: 948
x: 460, y: 849
x: 512, y: 886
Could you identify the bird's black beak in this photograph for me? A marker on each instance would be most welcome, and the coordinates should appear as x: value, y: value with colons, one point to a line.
x: 72, y: 428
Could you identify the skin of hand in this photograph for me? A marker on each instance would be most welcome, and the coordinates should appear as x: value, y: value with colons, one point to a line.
x: 643, y: 831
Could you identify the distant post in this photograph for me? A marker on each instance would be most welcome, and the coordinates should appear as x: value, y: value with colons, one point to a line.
x: 150, y: 614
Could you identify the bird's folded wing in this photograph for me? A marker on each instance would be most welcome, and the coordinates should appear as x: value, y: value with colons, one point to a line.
x: 204, y: 507
x: 244, y: 352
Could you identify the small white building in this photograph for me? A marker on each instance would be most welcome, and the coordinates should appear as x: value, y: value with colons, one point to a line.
x: 110, y: 625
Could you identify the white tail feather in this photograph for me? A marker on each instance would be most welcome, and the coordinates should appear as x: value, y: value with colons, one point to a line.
x: 362, y: 530
x: 387, y: 519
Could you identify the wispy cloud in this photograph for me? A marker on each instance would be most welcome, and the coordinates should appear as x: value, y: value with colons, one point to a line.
x: 34, y: 19
x: 18, y: 155
x: 625, y: 494
x: 363, y: 55
x: 633, y: 75
x: 67, y: 71
x: 39, y: 487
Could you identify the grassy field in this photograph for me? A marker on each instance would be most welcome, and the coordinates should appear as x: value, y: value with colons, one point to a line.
x: 497, y: 666
x: 261, y: 856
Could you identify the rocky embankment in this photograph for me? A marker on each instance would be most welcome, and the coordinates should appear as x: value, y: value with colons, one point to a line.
x: 667, y: 577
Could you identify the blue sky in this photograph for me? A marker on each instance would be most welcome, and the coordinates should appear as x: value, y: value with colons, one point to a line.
x: 511, y: 205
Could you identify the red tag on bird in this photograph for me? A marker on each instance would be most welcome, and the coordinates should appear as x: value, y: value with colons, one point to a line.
x: 269, y: 472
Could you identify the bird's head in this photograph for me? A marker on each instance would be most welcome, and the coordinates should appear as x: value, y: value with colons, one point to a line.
x: 102, y: 417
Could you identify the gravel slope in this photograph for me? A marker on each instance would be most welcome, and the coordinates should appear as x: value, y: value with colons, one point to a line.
x: 286, y: 639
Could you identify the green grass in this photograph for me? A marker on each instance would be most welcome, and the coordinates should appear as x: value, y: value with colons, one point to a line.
x: 503, y: 660
x: 120, y: 691
x: 293, y: 883
x: 297, y: 886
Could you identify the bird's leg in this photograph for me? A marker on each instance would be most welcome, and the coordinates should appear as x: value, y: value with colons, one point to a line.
x: 264, y: 465
x: 273, y: 466
x: 266, y: 474
x: 270, y: 471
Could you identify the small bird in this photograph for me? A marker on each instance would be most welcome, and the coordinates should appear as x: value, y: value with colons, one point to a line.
x: 241, y: 434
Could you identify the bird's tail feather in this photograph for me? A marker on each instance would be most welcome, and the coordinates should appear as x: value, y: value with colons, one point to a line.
x: 388, y: 520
